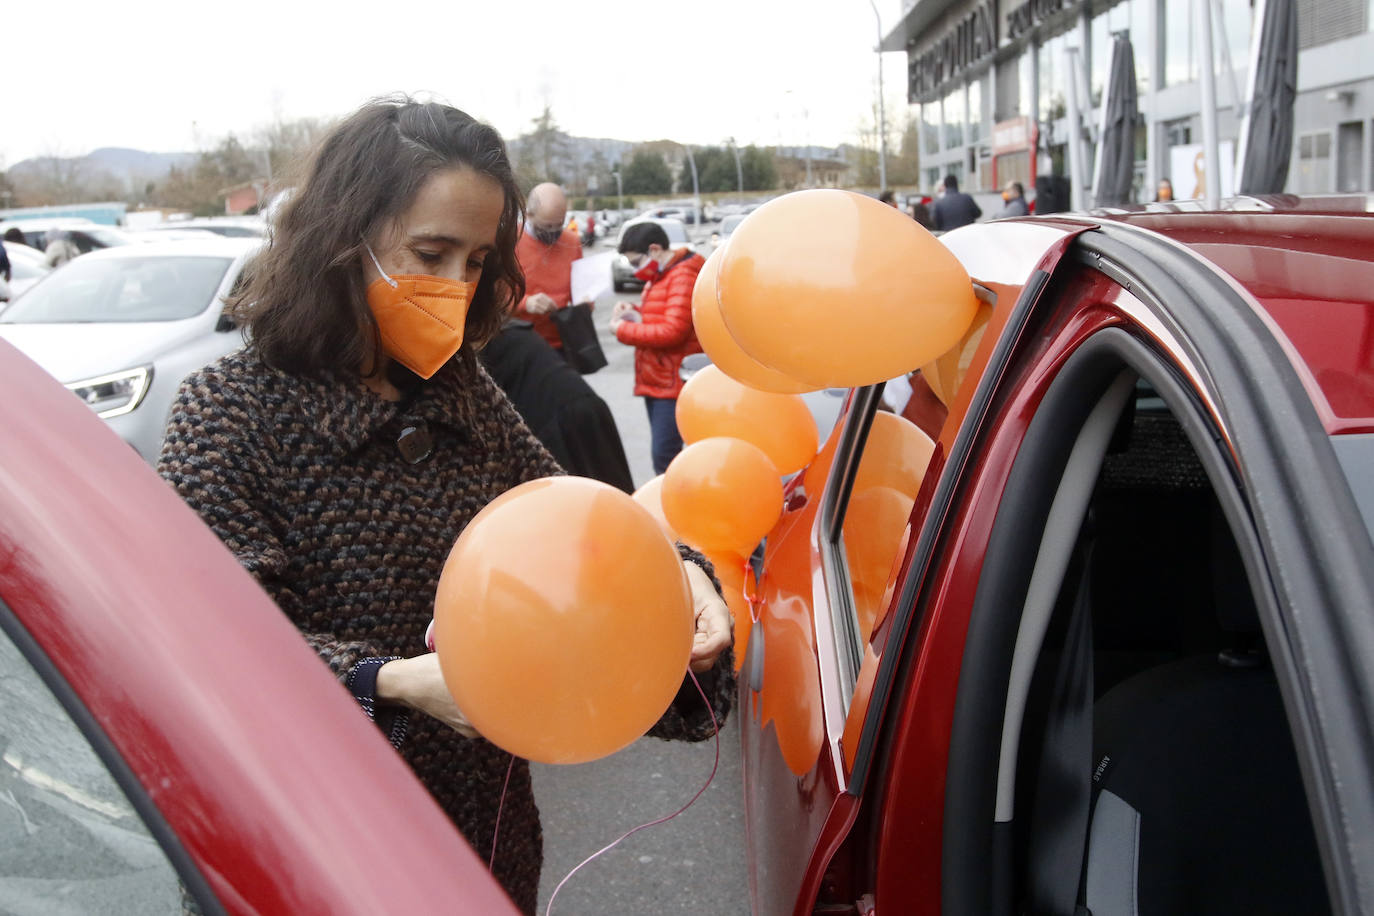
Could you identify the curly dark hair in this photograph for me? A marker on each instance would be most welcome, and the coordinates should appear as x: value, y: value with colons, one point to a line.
x: 305, y: 303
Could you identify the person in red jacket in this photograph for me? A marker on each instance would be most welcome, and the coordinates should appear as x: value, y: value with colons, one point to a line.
x: 660, y: 330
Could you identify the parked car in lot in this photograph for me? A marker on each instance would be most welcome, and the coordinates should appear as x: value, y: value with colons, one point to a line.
x: 121, y: 327
x: 1105, y: 640
x: 85, y: 234
x: 164, y: 725
x: 227, y: 226
x: 622, y: 274
x: 27, y: 267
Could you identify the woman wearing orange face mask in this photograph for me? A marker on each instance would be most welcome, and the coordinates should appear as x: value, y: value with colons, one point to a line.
x: 340, y: 454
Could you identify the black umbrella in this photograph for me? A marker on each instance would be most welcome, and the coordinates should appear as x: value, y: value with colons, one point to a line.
x: 1116, y: 150
x: 1269, y: 142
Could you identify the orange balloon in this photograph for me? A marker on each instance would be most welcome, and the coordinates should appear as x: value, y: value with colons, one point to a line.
x: 722, y: 494
x: 895, y: 455
x: 835, y: 289
x: 650, y: 496
x: 563, y: 649
x: 873, y: 526
x: 713, y: 404
x: 946, y: 372
x: 721, y: 347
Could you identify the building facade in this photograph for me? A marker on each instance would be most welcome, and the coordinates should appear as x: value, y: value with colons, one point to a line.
x: 991, y: 81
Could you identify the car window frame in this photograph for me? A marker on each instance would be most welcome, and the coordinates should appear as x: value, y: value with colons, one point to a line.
x: 194, y: 882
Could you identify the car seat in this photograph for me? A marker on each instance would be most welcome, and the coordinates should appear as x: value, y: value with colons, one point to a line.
x: 1198, y: 802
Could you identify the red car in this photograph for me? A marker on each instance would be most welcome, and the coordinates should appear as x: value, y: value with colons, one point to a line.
x: 163, y: 725
x: 1104, y: 641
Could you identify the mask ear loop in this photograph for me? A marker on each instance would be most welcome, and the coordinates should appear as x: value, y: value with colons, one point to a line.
x: 392, y: 283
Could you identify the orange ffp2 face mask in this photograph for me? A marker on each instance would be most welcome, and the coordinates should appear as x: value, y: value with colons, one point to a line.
x: 420, y: 317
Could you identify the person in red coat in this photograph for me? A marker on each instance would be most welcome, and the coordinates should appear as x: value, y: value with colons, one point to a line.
x: 660, y: 330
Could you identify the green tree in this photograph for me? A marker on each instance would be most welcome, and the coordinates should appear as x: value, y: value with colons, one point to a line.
x: 647, y: 173
x: 543, y: 153
x: 760, y: 172
x: 717, y: 165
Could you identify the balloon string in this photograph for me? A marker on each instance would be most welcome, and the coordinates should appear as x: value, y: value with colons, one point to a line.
x: 496, y: 831
x: 751, y: 595
x: 715, y: 727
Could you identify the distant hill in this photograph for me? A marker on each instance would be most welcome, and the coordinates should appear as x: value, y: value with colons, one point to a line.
x: 125, y: 165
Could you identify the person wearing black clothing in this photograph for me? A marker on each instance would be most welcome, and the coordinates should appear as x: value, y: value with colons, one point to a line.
x: 558, y: 406
x: 954, y: 208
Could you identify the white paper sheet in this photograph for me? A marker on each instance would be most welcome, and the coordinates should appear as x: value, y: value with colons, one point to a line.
x: 591, y: 276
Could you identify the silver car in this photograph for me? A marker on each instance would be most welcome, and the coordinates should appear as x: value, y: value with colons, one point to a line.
x: 622, y: 273
x: 121, y: 327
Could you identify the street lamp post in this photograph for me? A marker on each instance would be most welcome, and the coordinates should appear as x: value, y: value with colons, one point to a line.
x: 619, y: 189
x: 882, y: 117
x: 696, y: 192
x: 739, y: 168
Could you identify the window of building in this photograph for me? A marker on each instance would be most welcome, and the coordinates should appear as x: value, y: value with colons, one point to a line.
x: 1314, y: 163
x: 1132, y: 18
x: 1054, y: 73
x: 930, y: 127
x: 1025, y: 70
x: 954, y: 119
x: 1182, y: 54
x: 975, y: 110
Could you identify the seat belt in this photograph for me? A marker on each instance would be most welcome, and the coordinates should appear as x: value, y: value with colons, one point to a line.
x: 1063, y: 792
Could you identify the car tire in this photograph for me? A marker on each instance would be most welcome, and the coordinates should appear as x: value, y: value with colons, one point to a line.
x: 619, y: 287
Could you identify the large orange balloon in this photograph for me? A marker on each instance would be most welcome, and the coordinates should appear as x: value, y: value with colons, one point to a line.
x: 650, y: 496
x: 873, y: 526
x: 721, y: 347
x: 722, y: 494
x: 563, y: 648
x: 946, y: 372
x: 835, y: 289
x: 713, y: 404
x: 895, y: 455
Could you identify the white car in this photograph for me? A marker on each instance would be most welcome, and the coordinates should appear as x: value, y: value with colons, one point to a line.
x: 85, y: 234
x: 27, y: 267
x: 121, y: 327
x: 622, y: 273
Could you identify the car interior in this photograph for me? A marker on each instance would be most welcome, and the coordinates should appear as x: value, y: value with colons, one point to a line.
x: 1152, y: 654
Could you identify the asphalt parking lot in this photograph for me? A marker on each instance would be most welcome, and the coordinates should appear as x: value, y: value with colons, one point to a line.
x: 693, y: 864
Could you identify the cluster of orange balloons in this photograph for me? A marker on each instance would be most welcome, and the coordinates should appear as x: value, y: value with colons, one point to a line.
x: 563, y: 649
x: 827, y: 288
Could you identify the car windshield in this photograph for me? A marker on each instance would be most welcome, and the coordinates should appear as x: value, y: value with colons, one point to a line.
x: 677, y: 235
x: 728, y: 224
x: 121, y: 290
x: 1356, y: 456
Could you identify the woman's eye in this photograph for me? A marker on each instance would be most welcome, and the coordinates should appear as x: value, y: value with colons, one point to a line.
x: 475, y: 265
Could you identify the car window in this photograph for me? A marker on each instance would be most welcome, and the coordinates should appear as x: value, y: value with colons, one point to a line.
x: 70, y: 841
x: 122, y: 290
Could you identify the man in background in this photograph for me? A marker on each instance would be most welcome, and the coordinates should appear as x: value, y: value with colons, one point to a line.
x: 546, y: 252
x: 1014, y: 197
x: 955, y: 208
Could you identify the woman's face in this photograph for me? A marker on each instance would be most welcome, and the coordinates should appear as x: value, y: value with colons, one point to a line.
x: 448, y: 231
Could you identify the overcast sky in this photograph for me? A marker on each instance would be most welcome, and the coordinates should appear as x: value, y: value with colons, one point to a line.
x: 164, y: 76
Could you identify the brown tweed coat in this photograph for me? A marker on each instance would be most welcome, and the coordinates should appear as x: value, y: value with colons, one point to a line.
x: 302, y: 479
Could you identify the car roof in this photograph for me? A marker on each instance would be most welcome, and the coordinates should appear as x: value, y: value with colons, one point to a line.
x: 1310, y: 268
x: 210, y: 246
x: 57, y: 222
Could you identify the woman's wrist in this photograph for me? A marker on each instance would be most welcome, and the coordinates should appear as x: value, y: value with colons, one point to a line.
x: 393, y: 683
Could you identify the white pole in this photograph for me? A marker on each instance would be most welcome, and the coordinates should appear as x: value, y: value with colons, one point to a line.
x: 1256, y: 37
x: 1210, y: 147
x: 739, y: 168
x: 1076, y: 196
x: 1152, y: 172
x: 882, y: 117
x: 1226, y: 62
x: 696, y: 194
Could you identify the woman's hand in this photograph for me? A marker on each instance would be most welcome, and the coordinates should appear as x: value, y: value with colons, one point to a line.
x: 715, y: 626
x: 417, y: 684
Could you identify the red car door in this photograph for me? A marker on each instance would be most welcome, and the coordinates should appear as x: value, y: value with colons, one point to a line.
x: 824, y: 593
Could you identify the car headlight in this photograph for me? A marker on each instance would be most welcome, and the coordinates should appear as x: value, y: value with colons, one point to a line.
x: 115, y: 394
